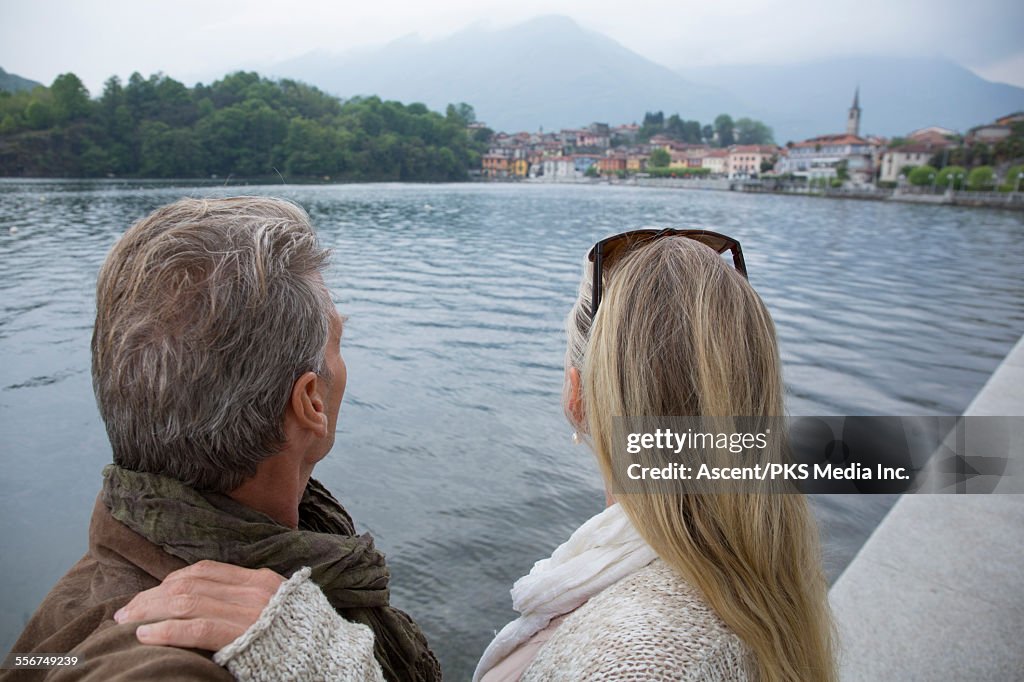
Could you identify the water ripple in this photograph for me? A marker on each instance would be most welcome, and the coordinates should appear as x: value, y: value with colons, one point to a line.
x: 452, y: 448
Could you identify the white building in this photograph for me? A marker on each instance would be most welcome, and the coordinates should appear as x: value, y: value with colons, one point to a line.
x: 716, y: 161
x: 559, y: 168
x: 898, y: 158
x: 820, y: 157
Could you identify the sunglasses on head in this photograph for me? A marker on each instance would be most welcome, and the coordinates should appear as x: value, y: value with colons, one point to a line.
x: 607, y: 251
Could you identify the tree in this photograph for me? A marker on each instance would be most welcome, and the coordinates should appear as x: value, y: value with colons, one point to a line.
x: 174, y: 101
x: 1010, y: 148
x: 691, y: 132
x: 243, y: 125
x: 1014, y: 180
x: 922, y: 176
x: 654, y: 124
x: 674, y: 126
x: 170, y: 152
x: 70, y: 98
x: 707, y: 133
x: 724, y: 129
x: 39, y: 114
x: 981, y: 179
x: 979, y: 154
x: 461, y: 113
x: 659, y: 158
x: 749, y: 131
x: 951, y: 177
x: 654, y: 119
x: 842, y: 171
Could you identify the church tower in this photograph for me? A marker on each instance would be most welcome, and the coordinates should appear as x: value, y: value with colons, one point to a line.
x: 853, y: 120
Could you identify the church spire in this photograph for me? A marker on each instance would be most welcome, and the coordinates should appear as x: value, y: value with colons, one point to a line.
x: 853, y: 119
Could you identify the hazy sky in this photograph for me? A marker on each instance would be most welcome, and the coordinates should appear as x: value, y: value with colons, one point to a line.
x: 202, y: 39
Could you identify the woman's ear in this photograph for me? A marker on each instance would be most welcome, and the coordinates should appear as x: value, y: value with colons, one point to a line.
x: 574, y: 399
x: 307, y: 405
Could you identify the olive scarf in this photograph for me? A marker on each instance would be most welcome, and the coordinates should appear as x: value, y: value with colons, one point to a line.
x: 194, y: 525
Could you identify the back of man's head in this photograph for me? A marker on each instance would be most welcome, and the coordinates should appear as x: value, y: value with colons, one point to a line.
x: 207, y: 311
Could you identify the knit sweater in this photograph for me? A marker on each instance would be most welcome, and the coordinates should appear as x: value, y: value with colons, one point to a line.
x: 651, y: 625
x: 299, y: 637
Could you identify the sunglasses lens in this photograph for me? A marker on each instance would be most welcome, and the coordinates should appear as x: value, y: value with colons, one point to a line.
x: 607, y: 251
x: 625, y: 243
x: 717, y: 243
x: 616, y: 246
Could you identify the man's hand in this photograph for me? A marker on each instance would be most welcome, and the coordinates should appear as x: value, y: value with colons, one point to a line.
x: 204, y: 606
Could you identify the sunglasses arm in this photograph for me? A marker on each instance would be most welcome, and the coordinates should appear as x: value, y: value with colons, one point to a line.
x: 595, y: 292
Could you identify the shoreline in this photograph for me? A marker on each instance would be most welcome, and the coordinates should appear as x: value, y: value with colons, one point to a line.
x: 1004, y: 200
x: 1013, y: 201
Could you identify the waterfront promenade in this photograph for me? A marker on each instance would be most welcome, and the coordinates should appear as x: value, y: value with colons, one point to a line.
x: 937, y: 591
x: 1001, y: 200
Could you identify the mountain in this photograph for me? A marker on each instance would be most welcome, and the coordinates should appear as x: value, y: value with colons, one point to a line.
x: 12, y: 83
x: 550, y: 72
x: 897, y: 95
x: 546, y: 72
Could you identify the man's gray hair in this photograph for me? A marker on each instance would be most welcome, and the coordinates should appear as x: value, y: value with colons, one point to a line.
x: 207, y: 311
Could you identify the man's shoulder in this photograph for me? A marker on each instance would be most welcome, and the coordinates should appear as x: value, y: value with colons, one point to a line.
x: 108, y: 651
x: 113, y: 653
x: 77, y: 618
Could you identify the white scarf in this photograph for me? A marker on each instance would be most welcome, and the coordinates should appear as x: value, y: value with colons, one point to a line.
x: 601, y: 552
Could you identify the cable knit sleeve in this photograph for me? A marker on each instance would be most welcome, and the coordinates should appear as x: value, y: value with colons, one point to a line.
x: 299, y: 636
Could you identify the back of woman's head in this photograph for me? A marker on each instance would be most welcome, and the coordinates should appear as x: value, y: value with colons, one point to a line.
x: 679, y: 332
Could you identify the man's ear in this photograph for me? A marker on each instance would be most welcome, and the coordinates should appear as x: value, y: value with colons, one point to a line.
x: 574, y: 399
x: 307, y: 404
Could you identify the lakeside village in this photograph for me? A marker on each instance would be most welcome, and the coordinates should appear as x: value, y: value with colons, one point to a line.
x: 929, y: 165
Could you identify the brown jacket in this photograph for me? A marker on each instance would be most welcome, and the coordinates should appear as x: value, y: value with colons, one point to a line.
x: 77, y: 616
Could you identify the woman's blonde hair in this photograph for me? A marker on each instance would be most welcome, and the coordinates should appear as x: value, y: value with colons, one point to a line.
x: 679, y: 332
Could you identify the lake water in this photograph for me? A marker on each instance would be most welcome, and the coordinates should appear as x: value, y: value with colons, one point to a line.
x: 452, y: 447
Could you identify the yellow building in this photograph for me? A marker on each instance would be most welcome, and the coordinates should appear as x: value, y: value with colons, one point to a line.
x: 636, y: 163
x: 519, y: 168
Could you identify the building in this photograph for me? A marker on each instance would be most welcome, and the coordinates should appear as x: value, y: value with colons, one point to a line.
x: 936, y: 135
x: 744, y: 161
x: 637, y: 163
x: 1010, y: 119
x: 613, y: 163
x: 821, y: 157
x: 625, y: 134
x: 894, y: 160
x: 987, y: 134
x: 596, y: 135
x: 496, y: 165
x: 716, y: 161
x: 695, y: 155
x: 677, y: 160
x: 853, y: 117
x: 582, y: 162
x: 558, y: 168
x: 664, y: 141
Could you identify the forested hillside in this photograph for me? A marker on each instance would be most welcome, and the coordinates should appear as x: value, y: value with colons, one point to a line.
x: 242, y: 125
